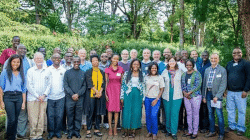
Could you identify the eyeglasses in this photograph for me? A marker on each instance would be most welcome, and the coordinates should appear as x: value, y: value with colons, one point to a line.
x: 104, y: 56
x: 236, y: 52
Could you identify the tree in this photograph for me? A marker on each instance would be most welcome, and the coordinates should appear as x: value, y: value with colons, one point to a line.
x: 182, y: 24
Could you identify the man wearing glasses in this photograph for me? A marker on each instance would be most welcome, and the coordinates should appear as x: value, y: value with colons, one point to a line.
x: 104, y: 62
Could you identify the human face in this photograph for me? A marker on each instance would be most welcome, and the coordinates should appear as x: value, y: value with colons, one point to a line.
x: 172, y: 63
x: 104, y: 57
x: 43, y: 51
x: 92, y: 53
x: 124, y: 55
x: 76, y: 63
x: 56, y: 58
x: 146, y: 54
x: 115, y: 60
x: 21, y: 50
x: 178, y: 56
x: 82, y: 54
x: 156, y: 56
x: 68, y: 57
x: 184, y: 55
x: 136, y: 66
x: 71, y: 50
x: 189, y: 66
x: 15, y: 42
x: 214, y: 59
x: 109, y: 52
x: 133, y: 54
x: 57, y: 50
x: 154, y: 70
x: 204, y: 56
x: 15, y: 64
x: 167, y: 53
x: 95, y: 62
x: 237, y: 54
x: 194, y: 55
x: 39, y: 60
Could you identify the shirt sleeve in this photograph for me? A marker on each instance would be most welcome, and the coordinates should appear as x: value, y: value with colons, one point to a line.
x: 3, y: 79
x: 197, y: 83
x: 30, y: 85
x: 3, y: 57
x: 123, y: 86
x: 24, y: 85
x: 162, y: 84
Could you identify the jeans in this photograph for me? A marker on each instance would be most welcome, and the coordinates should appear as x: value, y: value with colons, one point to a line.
x: 211, y: 111
x: 13, y: 105
x: 152, y: 115
x: 55, y: 111
x: 235, y: 101
x: 93, y: 114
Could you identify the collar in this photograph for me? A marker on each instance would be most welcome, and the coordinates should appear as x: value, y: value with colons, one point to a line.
x: 124, y: 62
x: 59, y: 68
x: 214, y: 67
x: 107, y: 63
x: 43, y: 68
x: 143, y: 61
x: 238, y: 61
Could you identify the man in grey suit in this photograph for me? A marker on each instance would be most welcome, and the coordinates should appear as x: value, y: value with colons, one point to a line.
x: 214, y: 85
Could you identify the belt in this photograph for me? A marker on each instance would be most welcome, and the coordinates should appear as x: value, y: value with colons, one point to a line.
x: 12, y: 93
x: 209, y: 89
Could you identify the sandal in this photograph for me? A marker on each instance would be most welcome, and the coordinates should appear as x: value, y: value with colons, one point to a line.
x: 154, y: 137
x: 132, y: 135
x: 124, y: 135
x: 115, y: 132
x: 98, y: 134
x: 194, y: 136
x: 149, y: 135
x: 110, y: 132
x: 88, y: 135
x: 186, y: 135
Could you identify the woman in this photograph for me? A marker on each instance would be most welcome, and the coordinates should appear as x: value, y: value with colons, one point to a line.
x: 131, y: 98
x: 113, y: 75
x: 172, y: 96
x: 154, y: 88
x: 95, y: 96
x: 191, y: 89
x: 13, y: 93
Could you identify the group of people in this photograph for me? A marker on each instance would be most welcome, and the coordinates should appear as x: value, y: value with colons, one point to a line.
x: 56, y: 94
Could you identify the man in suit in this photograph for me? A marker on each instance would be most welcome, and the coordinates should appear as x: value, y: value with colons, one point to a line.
x: 214, y: 85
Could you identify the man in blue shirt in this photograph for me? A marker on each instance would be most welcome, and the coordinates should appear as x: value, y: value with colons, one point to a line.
x: 85, y: 65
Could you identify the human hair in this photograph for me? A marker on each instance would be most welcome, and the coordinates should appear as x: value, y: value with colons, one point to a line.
x: 176, y: 65
x: 40, y: 48
x: 194, y: 51
x: 124, y: 51
x: 215, y: 54
x: 156, y: 51
x: 190, y: 60
x: 15, y: 37
x: 146, y: 50
x: 20, y: 68
x: 206, y: 52
x: 129, y: 76
x: 133, y: 50
x: 94, y: 56
x: 150, y: 67
x: 37, y: 54
x: 82, y: 50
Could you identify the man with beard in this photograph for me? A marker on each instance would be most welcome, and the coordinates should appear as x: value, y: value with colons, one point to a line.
x: 197, y: 59
x: 167, y: 54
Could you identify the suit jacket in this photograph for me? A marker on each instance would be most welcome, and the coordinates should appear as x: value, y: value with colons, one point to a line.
x: 219, y: 84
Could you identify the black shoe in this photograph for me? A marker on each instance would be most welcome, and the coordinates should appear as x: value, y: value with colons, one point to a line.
x: 88, y: 135
x: 69, y: 136
x: 78, y: 135
x: 164, y: 131
x: 203, y: 131
x: 240, y: 133
x: 186, y: 135
x: 221, y: 138
x: 50, y: 136
x: 194, y: 137
x: 210, y: 134
x: 174, y: 137
x: 59, y: 136
x: 98, y: 134
x: 228, y: 129
x: 41, y: 139
x: 168, y: 134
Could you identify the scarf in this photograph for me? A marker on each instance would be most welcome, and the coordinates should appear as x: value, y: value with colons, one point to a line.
x: 97, y: 81
x: 172, y: 73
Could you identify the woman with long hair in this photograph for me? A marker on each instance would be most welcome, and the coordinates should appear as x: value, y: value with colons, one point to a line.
x: 13, y: 93
x: 113, y: 75
x: 154, y: 86
x: 131, y: 98
x: 172, y: 96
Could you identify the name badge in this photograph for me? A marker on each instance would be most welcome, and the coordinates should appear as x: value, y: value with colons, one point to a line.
x: 118, y: 74
x: 235, y: 64
x: 146, y: 68
x: 218, y: 76
x: 189, y: 81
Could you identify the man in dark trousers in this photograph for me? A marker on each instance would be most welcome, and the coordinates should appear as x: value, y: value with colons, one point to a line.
x: 75, y: 87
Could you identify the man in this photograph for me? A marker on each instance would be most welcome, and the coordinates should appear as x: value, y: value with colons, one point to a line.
x: 238, y: 84
x: 68, y: 61
x: 156, y: 57
x: 181, y: 63
x: 85, y: 65
x: 109, y: 53
x: 104, y: 62
x: 124, y: 62
x: 9, y: 51
x: 56, y: 98
x: 146, y: 60
x: 214, y: 85
x: 167, y: 54
x: 43, y: 51
x: 71, y: 50
x: 75, y: 87
x: 133, y: 54
x: 178, y: 56
x: 197, y: 59
x: 92, y: 52
x: 49, y: 62
x: 38, y: 85
x: 22, y: 126
x: 204, y: 122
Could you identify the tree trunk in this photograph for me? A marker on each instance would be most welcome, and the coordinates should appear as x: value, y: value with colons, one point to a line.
x: 38, y: 20
x: 172, y: 23
x: 197, y: 34
x: 182, y: 24
x: 68, y: 14
x: 202, y: 33
x: 244, y: 13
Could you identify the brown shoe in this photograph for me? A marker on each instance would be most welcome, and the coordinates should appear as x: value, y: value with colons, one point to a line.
x: 149, y: 135
x: 154, y: 137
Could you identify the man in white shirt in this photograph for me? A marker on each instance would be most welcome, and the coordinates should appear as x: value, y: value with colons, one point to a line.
x: 56, y: 98
x: 38, y: 85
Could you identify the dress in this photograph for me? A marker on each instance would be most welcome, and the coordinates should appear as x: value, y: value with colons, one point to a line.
x: 113, y: 89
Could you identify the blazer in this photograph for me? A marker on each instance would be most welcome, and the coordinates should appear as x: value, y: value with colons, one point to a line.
x: 219, y: 84
x: 177, y: 85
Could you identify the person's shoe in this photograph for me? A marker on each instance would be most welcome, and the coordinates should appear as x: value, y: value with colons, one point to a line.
x: 65, y: 132
x: 194, y: 136
x: 210, y: 134
x: 164, y: 131
x: 59, y: 136
x: 168, y: 134
x: 203, y: 131
x: 149, y: 135
x: 41, y: 139
x: 221, y: 138
x: 88, y: 135
x: 77, y: 135
x: 186, y: 135
x: 50, y: 136
x: 240, y: 133
x: 228, y: 129
x: 69, y: 136
x: 154, y: 137
x: 106, y: 125
x: 174, y: 137
x: 98, y: 134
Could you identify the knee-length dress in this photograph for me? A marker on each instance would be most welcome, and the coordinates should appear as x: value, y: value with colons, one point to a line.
x: 113, y: 89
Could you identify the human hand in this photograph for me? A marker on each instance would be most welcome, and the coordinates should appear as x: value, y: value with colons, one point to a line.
x: 154, y: 102
x: 204, y: 100
x: 2, y: 105
x: 23, y: 105
x: 244, y: 94
x: 41, y: 98
x: 215, y: 99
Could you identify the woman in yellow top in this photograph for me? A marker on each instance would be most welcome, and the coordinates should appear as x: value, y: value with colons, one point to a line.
x: 95, y: 101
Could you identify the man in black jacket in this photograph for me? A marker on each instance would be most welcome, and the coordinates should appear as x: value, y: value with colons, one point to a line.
x: 75, y: 87
x: 238, y: 84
